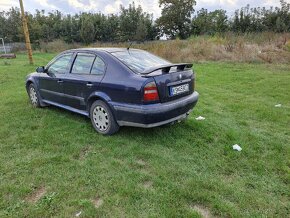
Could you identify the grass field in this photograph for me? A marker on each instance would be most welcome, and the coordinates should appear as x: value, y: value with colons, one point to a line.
x: 53, y: 163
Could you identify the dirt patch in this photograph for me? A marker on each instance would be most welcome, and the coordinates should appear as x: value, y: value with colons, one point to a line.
x: 84, y: 152
x: 141, y: 162
x: 147, y: 184
x: 36, y: 195
x: 203, y: 211
x: 97, y: 202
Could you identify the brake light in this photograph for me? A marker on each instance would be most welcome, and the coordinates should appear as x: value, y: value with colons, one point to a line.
x: 151, y: 92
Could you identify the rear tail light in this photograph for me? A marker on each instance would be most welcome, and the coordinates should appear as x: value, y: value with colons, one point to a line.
x: 151, y: 92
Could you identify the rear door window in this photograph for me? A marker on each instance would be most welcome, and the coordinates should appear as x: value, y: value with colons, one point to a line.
x: 83, y: 63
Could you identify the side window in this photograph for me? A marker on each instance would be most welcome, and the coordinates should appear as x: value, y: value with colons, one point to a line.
x: 98, y: 67
x: 60, y: 65
x: 83, y: 63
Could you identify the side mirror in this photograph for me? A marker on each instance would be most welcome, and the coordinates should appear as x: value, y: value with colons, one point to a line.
x: 40, y: 69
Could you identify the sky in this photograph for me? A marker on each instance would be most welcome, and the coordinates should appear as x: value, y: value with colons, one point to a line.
x: 112, y: 6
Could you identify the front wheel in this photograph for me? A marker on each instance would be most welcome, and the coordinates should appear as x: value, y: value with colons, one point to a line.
x: 34, y: 99
x: 103, y: 119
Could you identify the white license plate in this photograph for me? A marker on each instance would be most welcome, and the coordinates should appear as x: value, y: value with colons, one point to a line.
x: 176, y: 90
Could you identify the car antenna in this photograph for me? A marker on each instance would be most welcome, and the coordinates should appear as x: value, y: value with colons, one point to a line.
x: 129, y: 45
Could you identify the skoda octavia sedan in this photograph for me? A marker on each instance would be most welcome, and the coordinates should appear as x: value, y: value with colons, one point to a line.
x: 115, y: 87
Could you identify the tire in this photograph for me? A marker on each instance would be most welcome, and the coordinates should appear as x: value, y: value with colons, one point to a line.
x: 102, y: 118
x: 33, y: 95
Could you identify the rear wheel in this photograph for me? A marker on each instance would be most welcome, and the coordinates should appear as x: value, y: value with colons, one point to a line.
x: 34, y: 98
x: 103, y: 119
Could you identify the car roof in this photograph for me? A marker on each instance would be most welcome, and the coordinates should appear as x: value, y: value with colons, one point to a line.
x: 106, y: 49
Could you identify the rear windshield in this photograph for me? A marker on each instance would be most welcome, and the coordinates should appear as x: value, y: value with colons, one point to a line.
x: 139, y: 61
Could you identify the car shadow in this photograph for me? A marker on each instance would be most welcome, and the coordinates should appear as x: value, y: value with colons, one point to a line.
x: 67, y: 113
x: 76, y: 116
x: 143, y: 135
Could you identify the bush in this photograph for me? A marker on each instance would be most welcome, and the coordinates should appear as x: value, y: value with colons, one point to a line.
x: 56, y: 46
x: 264, y: 47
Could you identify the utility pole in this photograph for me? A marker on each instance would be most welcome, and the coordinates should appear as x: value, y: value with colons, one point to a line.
x: 26, y: 33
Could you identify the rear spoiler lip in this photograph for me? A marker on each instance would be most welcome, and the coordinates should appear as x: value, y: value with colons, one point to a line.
x: 166, y: 68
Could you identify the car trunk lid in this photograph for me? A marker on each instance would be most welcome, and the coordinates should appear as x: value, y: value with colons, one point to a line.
x: 173, y: 80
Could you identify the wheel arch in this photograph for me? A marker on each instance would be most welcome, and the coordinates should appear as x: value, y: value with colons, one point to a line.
x: 28, y: 82
x: 99, y: 96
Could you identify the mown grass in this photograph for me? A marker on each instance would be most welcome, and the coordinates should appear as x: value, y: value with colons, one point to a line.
x: 53, y: 163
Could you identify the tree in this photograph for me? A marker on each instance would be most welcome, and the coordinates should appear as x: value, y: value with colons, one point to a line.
x: 201, y: 23
x: 76, y: 26
x: 87, y: 30
x: 209, y: 22
x: 141, y: 31
x: 12, y: 29
x: 110, y: 28
x: 220, y: 20
x: 175, y: 17
x: 134, y: 23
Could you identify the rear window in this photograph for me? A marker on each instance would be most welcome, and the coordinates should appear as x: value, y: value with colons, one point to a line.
x: 98, y: 67
x: 139, y: 61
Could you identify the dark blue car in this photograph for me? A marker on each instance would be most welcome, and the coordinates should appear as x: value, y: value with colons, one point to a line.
x: 115, y: 87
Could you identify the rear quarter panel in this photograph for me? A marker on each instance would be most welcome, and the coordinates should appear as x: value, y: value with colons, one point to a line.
x: 120, y: 83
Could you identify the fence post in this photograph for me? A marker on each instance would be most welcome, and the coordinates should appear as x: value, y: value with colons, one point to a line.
x: 3, y: 45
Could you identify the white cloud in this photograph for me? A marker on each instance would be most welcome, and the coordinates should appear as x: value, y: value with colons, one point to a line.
x: 151, y: 8
x: 46, y: 5
x: 273, y: 3
x: 217, y: 3
x: 5, y: 5
x: 205, y: 2
x: 110, y: 9
x: 78, y: 4
x: 113, y: 8
x: 228, y: 2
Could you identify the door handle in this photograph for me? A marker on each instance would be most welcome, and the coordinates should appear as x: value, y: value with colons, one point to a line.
x: 89, y: 84
x: 60, y: 81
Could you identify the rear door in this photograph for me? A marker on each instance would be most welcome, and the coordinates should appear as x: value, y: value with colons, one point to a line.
x: 86, y: 73
x: 51, y: 83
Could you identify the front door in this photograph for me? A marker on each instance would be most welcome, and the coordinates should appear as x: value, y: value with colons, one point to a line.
x: 51, y: 83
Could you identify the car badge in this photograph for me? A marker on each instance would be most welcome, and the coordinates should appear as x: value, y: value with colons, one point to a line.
x: 180, y: 76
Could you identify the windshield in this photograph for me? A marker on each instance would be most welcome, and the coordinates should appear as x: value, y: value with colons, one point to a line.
x: 138, y: 60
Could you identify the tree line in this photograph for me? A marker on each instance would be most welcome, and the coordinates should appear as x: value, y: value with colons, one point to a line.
x: 178, y: 19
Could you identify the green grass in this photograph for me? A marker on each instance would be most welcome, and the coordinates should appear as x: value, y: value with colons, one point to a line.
x: 160, y: 172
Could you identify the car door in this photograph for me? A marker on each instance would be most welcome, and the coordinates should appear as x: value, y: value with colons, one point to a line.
x: 86, y: 73
x: 51, y: 83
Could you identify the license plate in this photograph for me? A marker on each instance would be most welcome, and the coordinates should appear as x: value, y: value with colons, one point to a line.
x: 176, y: 90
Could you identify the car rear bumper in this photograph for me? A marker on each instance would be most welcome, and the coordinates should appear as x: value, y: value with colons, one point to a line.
x: 153, y: 115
